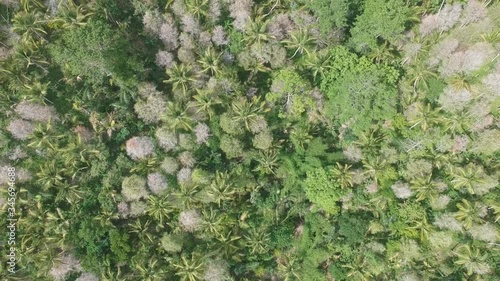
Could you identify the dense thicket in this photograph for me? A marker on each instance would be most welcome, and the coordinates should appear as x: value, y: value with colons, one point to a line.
x: 251, y: 140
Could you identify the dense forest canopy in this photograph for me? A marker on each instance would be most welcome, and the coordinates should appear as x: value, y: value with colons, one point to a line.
x: 312, y: 140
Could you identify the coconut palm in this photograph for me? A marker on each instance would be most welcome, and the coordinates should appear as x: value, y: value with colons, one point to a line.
x: 198, y: 8
x: 257, y: 241
x: 210, y: 62
x: 375, y: 167
x: 214, y: 222
x: 472, y: 259
x: 466, y: 177
x: 221, y: 188
x: 187, y: 196
x: 245, y: 111
x: 180, y: 76
x: 256, y: 32
x: 189, y: 269
x: 227, y: 245
x: 159, y: 208
x: 29, y: 26
x: 470, y: 213
x: 342, y: 175
x: 267, y: 162
x: 204, y: 103
x: 71, y: 15
x: 176, y: 117
x: 457, y: 123
x: 150, y: 270
x: 141, y: 229
x: 300, y: 42
x: 318, y: 63
x: 425, y: 117
x: 424, y: 188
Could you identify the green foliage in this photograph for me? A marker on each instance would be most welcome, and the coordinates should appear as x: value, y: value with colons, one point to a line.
x: 330, y: 14
x: 275, y: 151
x: 359, y: 92
x: 380, y: 21
x: 119, y: 244
x: 321, y: 190
x: 96, y: 53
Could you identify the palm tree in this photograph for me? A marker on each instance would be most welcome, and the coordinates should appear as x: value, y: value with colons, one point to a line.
x: 141, y: 229
x: 245, y: 111
x: 318, y: 63
x: 374, y: 167
x: 50, y: 174
x: 44, y: 137
x: 150, y: 270
x: 257, y: 241
x: 342, y: 175
x: 105, y: 219
x: 210, y: 62
x: 425, y: 188
x: 204, y: 102
x: 30, y: 26
x: 300, y: 41
x: 466, y: 178
x: 214, y: 222
x: 159, y: 208
x: 227, y: 245
x: 458, y: 123
x: 422, y: 227
x: 472, y: 259
x: 469, y: 213
x: 221, y: 188
x: 187, y: 196
x: 358, y: 270
x: 176, y: 117
x: 71, y: 15
x: 197, y: 8
x: 267, y: 162
x: 371, y: 141
x: 288, y: 266
x: 383, y: 53
x: 56, y: 228
x: 180, y: 76
x: 256, y: 33
x: 419, y: 75
x: 189, y: 269
x: 425, y: 117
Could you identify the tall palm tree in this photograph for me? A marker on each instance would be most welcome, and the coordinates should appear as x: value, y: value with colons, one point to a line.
x: 466, y: 177
x: 180, y: 76
x: 257, y: 241
x: 342, y: 175
x: 210, y: 62
x: 187, y: 196
x: 214, y: 222
x: 300, y: 42
x: 150, y: 270
x: 159, y: 208
x: 469, y: 213
x: 245, y: 111
x: 425, y: 188
x: 471, y: 259
x: 425, y: 117
x: 189, y: 269
x: 176, y: 117
x: 204, y: 103
x: 30, y: 26
x: 222, y: 188
x: 318, y: 63
x: 256, y: 33
x: 267, y: 162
